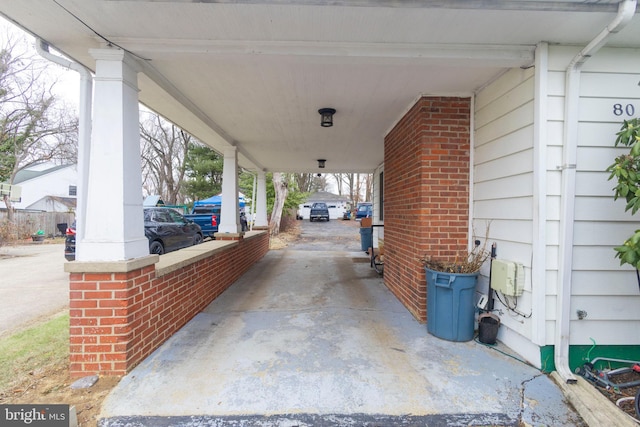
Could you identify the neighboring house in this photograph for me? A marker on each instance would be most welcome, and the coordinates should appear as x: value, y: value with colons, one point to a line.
x: 48, y: 188
x: 337, y: 204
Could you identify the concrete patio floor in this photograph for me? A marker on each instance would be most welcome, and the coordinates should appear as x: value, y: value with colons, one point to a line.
x: 312, y: 337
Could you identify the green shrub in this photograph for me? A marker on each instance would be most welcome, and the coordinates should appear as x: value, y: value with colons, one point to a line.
x: 626, y: 171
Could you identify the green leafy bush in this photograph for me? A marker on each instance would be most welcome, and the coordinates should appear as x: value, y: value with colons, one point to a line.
x: 626, y: 171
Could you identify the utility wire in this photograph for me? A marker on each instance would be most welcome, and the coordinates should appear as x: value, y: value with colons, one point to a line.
x: 109, y: 42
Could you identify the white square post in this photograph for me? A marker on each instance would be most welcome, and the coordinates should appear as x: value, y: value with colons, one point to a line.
x: 114, y: 224
x: 261, y: 202
x: 230, y: 209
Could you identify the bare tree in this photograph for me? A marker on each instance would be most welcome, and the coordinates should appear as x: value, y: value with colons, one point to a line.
x: 281, y: 187
x: 339, y: 182
x: 304, y: 181
x: 368, y: 187
x: 358, y: 186
x: 34, y: 127
x: 164, y: 148
x: 319, y: 183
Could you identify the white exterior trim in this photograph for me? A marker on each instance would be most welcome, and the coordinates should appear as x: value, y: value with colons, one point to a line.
x: 539, y: 241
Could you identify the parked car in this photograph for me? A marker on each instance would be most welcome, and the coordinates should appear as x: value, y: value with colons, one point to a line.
x: 365, y: 210
x: 166, y: 230
x: 207, y: 217
x: 319, y: 211
x: 70, y: 242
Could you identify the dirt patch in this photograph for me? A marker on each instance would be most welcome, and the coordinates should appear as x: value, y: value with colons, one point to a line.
x: 51, y: 385
x: 284, y: 238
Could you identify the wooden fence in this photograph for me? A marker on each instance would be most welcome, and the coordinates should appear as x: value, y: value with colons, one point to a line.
x: 27, y: 223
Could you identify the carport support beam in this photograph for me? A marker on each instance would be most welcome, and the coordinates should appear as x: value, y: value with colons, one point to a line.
x: 261, y: 203
x: 114, y: 225
x: 230, y: 209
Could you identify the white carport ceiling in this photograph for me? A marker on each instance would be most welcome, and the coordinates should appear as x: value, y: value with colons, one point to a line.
x: 254, y: 73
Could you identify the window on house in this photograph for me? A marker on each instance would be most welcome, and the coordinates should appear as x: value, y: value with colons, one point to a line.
x: 73, y: 190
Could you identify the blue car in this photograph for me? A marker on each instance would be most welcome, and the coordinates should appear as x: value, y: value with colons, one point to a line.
x: 365, y: 210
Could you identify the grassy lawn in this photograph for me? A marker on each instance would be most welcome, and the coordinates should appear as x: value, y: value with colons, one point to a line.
x: 35, y: 348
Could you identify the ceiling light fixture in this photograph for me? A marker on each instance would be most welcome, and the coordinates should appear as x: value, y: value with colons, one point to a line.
x: 326, y: 115
x: 321, y: 163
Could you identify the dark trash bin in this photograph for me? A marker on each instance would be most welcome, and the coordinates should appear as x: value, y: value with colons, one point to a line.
x: 488, y: 324
x: 366, y: 238
x: 450, y: 305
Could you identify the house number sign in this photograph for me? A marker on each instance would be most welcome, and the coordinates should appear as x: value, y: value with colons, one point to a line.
x: 626, y: 110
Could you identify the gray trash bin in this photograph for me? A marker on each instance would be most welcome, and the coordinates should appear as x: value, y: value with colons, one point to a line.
x: 366, y: 238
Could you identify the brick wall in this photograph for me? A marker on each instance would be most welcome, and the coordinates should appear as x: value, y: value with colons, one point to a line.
x: 118, y: 319
x: 426, y: 184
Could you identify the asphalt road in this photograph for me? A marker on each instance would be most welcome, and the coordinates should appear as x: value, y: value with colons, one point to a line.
x: 33, y: 284
x: 334, y: 235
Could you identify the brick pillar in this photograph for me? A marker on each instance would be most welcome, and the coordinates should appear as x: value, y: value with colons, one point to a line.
x: 426, y: 174
x: 102, y: 310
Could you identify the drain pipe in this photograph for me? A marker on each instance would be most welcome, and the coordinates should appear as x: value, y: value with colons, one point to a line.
x: 626, y: 10
x: 84, y: 130
x: 253, y: 201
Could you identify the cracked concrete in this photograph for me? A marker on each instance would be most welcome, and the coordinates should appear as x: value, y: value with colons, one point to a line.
x: 312, y: 337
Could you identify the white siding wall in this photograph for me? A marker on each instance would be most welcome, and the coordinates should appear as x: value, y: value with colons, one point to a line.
x: 504, y: 183
x: 503, y: 187
x: 607, y: 292
x: 55, y: 183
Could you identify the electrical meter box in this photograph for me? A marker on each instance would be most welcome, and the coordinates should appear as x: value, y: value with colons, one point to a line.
x: 507, y: 277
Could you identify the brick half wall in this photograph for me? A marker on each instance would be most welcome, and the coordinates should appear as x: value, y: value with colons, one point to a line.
x: 426, y: 182
x: 119, y: 318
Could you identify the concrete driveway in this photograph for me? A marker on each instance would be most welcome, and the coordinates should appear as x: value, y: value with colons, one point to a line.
x: 33, y: 284
x: 310, y: 336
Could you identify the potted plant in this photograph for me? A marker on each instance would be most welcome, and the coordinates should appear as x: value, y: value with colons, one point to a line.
x: 451, y: 293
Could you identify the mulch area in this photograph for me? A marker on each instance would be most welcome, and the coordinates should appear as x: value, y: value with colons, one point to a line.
x: 624, y: 397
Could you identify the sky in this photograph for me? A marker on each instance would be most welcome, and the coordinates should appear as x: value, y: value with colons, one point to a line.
x: 67, y: 86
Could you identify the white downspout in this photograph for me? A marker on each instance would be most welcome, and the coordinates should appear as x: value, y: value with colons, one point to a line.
x: 84, y: 130
x: 253, y: 201
x: 626, y: 10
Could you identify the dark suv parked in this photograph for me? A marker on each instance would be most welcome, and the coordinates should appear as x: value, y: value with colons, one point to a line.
x: 319, y: 212
x: 166, y: 230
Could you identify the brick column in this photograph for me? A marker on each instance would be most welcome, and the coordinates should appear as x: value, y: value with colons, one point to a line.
x: 426, y: 161
x: 102, y: 310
